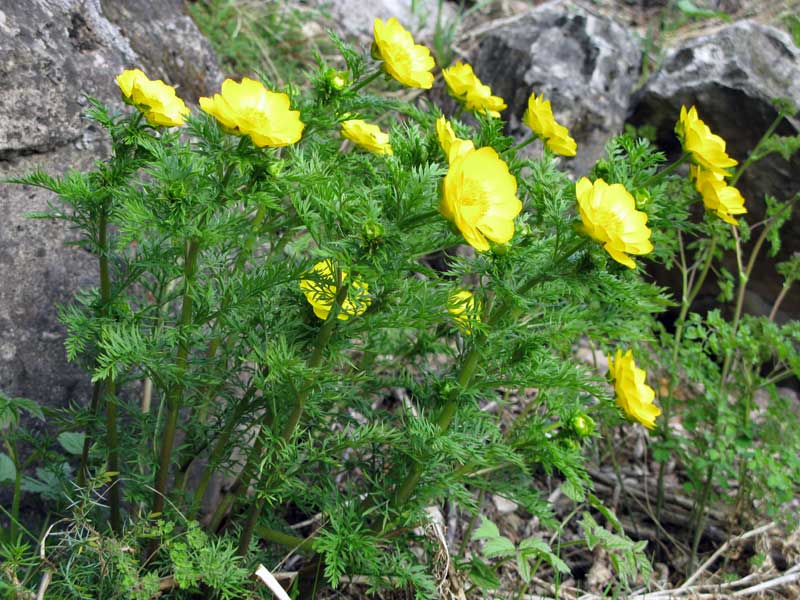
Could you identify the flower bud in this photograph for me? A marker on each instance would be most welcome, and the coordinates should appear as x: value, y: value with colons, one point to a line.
x: 372, y: 231
x: 338, y: 80
x: 275, y: 168
x: 583, y: 425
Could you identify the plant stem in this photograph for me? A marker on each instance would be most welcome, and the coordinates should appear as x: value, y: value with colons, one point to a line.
x: 175, y: 395
x: 87, y: 439
x: 219, y: 447
x: 367, y: 80
x: 661, y: 174
x: 751, y: 158
x: 779, y: 300
x: 744, y: 277
x: 114, y: 490
x: 323, y: 336
x: 468, y: 369
x: 417, y: 220
x: 522, y: 144
x: 686, y: 302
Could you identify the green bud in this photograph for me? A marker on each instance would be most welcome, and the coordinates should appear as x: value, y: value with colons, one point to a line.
x: 275, y: 168
x: 501, y: 249
x: 583, y: 425
x: 642, y: 198
x: 372, y: 231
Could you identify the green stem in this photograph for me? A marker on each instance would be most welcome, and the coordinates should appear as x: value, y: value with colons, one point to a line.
x: 87, y: 439
x: 417, y: 220
x: 751, y: 158
x: 744, y: 277
x: 323, y: 336
x: 219, y: 447
x: 661, y: 174
x: 686, y: 303
x: 284, y: 539
x: 115, y: 490
x: 468, y: 369
x: 366, y: 81
x: 522, y: 144
x: 468, y: 533
x: 175, y: 394
x: 14, y: 524
x: 200, y: 414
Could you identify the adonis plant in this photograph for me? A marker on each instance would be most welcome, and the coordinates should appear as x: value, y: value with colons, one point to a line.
x: 308, y: 301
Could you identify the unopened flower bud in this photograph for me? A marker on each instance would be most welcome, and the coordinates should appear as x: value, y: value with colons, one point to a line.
x: 583, y: 425
x: 372, y: 231
x: 276, y: 168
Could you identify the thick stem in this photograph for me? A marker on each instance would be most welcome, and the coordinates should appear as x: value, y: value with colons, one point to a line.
x: 115, y: 489
x: 13, y: 525
x: 661, y: 174
x: 323, y: 336
x: 87, y: 439
x: 219, y: 447
x: 175, y: 395
x: 468, y: 369
x: 522, y: 144
x: 754, y: 152
x: 686, y: 303
x: 779, y: 300
x: 367, y: 80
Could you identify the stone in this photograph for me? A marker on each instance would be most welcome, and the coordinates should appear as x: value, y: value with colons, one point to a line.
x: 52, y: 54
x: 731, y: 76
x: 354, y: 18
x: 586, y: 65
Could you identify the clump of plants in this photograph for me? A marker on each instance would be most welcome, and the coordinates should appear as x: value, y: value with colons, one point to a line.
x: 269, y: 316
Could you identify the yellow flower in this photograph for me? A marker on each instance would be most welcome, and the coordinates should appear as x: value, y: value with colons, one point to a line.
x: 539, y: 117
x: 723, y: 199
x: 408, y: 62
x: 367, y: 136
x: 248, y: 108
x: 320, y: 291
x: 452, y: 146
x: 609, y: 216
x: 706, y: 148
x: 634, y: 396
x: 479, y: 195
x: 464, y: 308
x: 155, y: 99
x: 464, y: 86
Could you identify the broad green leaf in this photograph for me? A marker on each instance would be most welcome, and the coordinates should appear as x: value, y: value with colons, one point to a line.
x: 8, y: 472
x: 499, y: 547
x: 486, y: 530
x: 72, y: 441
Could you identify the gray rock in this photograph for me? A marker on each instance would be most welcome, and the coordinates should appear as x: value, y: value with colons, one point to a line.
x: 586, y: 65
x: 354, y: 18
x: 731, y: 76
x: 52, y: 53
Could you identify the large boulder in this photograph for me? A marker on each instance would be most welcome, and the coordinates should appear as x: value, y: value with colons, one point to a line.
x: 354, y: 18
x: 731, y: 76
x: 52, y: 54
x: 587, y: 66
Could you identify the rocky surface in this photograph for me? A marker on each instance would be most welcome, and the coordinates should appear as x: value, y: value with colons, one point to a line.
x: 354, y: 18
x: 585, y: 64
x: 53, y: 53
x: 731, y: 76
